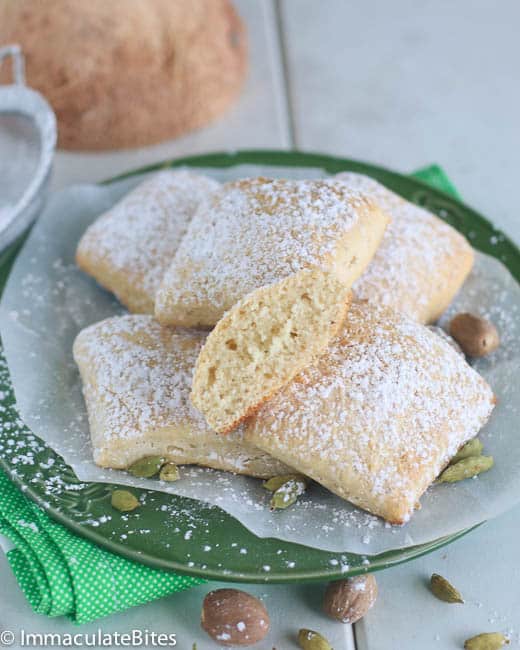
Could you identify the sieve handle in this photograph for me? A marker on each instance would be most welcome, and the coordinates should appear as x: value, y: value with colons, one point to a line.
x: 18, y: 62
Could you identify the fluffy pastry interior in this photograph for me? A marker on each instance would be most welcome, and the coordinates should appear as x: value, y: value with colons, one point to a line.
x: 377, y: 417
x: 263, y: 342
x: 136, y: 382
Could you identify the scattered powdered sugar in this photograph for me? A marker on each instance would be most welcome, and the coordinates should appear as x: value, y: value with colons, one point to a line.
x: 48, y: 301
x: 28, y: 524
x: 417, y: 246
x: 254, y: 232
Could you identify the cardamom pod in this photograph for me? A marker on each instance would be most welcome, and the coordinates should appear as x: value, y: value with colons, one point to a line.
x: 486, y: 641
x: 466, y: 468
x: 169, y: 472
x: 124, y: 501
x: 309, y: 640
x: 146, y: 467
x: 444, y: 590
x: 287, y: 493
x: 471, y: 448
x: 275, y: 482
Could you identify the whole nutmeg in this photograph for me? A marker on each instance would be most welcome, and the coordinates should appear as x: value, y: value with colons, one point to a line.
x: 233, y: 617
x: 349, y: 600
x: 476, y: 336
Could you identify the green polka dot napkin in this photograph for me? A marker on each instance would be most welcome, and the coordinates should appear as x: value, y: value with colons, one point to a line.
x: 63, y: 574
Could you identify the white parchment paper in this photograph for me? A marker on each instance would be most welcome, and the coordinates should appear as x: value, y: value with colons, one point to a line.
x: 48, y: 301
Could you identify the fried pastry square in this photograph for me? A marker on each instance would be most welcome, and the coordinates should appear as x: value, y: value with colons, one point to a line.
x: 136, y: 382
x: 129, y: 247
x: 257, y: 231
x: 422, y: 261
x: 262, y: 342
x: 378, y: 416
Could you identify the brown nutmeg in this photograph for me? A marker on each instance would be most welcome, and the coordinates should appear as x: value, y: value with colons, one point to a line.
x: 234, y: 617
x: 476, y: 336
x: 349, y: 600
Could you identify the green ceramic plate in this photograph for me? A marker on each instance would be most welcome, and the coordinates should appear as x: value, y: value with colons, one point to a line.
x: 151, y: 534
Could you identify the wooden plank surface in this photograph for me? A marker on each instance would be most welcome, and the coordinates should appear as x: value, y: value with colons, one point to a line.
x: 404, y: 84
x: 410, y: 82
x: 400, y: 83
x: 259, y: 120
x: 484, y: 567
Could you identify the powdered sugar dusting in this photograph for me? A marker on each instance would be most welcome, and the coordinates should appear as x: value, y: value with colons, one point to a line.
x: 408, y: 271
x: 136, y: 239
x: 255, y: 232
x: 40, y: 320
x: 138, y: 374
x: 136, y: 381
x: 379, y: 415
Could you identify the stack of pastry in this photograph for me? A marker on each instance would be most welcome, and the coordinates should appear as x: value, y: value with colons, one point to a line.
x: 281, y: 324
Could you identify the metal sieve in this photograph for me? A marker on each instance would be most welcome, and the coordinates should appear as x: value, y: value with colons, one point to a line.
x: 27, y: 145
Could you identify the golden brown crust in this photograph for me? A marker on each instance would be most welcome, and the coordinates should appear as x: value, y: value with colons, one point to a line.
x: 422, y: 261
x: 128, y: 248
x: 377, y: 417
x: 129, y: 73
x: 136, y: 382
x: 256, y: 231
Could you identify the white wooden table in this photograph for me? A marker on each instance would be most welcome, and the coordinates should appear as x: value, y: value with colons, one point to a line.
x: 401, y: 83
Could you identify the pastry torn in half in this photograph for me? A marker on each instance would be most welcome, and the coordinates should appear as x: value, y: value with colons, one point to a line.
x: 266, y: 339
x: 129, y: 247
x: 136, y: 382
x: 422, y: 261
x: 257, y: 231
x: 378, y: 416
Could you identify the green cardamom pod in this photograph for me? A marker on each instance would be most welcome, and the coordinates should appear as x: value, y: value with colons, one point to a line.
x: 146, y: 467
x: 471, y: 448
x: 124, y: 501
x: 287, y: 493
x: 275, y: 482
x: 169, y: 472
x: 309, y: 640
x: 486, y: 641
x: 444, y: 590
x: 466, y: 468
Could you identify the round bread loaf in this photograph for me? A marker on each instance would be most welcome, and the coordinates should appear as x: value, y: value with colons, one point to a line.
x: 128, y: 73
